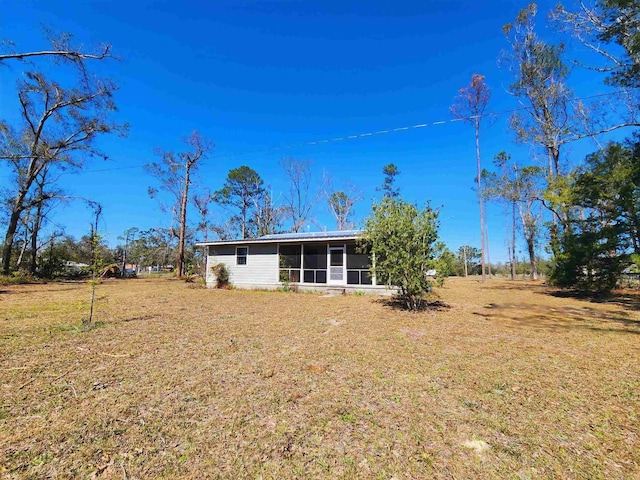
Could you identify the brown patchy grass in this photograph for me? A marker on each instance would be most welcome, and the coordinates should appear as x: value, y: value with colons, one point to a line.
x: 503, y: 380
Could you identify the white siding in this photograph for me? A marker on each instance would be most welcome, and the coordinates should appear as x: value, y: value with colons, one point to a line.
x: 261, y: 267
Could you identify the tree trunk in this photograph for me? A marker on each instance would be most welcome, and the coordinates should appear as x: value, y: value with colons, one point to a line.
x: 8, y: 240
x: 488, y: 256
x: 244, y: 222
x: 16, y: 211
x: 25, y: 243
x: 513, y: 241
x: 482, y: 239
x: 532, y: 258
x: 183, y: 221
x: 464, y: 254
x: 34, y: 239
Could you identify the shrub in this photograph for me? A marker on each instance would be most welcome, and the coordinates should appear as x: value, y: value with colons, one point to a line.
x: 404, y: 241
x: 17, y: 278
x: 221, y: 273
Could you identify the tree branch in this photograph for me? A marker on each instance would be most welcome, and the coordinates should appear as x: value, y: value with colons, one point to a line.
x: 67, y: 54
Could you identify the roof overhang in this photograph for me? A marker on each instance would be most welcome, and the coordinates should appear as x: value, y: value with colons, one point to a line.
x: 288, y: 238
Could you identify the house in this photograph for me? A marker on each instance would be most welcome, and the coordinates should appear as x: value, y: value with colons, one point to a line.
x: 311, y: 261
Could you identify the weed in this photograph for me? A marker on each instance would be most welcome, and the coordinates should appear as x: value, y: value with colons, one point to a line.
x: 347, y: 417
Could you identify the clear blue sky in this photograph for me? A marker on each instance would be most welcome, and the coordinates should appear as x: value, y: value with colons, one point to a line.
x: 257, y: 74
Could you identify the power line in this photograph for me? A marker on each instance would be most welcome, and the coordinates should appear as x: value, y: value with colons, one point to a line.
x: 355, y: 136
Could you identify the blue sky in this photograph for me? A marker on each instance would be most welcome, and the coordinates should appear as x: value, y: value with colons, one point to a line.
x: 251, y: 75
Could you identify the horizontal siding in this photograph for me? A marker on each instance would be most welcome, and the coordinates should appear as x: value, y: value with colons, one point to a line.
x: 261, y: 267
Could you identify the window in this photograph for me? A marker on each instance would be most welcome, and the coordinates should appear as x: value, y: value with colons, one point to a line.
x: 241, y: 255
x: 315, y: 264
x: 290, y: 261
x: 358, y: 266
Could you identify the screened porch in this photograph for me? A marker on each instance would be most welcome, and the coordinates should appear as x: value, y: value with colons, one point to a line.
x: 324, y: 264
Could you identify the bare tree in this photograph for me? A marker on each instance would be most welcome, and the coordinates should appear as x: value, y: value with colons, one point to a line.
x: 499, y: 187
x: 598, y: 25
x: 341, y: 203
x: 549, y: 121
x: 42, y: 202
x: 610, y: 29
x: 62, y: 48
x: 175, y: 175
x: 202, y: 202
x: 540, y: 87
x: 529, y: 191
x: 301, y: 199
x: 470, y: 105
x: 520, y: 189
x: 267, y: 214
x: 59, y: 126
x: 227, y: 229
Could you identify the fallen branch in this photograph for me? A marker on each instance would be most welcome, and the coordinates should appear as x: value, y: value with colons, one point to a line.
x: 114, y: 355
x: 59, y: 377
x: 28, y: 383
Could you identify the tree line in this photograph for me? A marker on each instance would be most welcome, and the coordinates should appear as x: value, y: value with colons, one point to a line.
x: 586, y: 210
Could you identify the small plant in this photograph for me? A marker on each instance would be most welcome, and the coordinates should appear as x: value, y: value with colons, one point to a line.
x: 359, y: 293
x: 97, y: 264
x: 195, y: 281
x: 288, y: 287
x: 221, y: 272
x: 17, y: 278
x: 347, y: 417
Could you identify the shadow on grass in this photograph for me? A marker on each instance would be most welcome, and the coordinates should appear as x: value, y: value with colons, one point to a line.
x: 138, y: 318
x: 428, y: 306
x: 547, y: 317
x: 626, y: 299
x: 518, y: 285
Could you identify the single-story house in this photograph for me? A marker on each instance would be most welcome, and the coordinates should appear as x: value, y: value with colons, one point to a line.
x: 310, y: 260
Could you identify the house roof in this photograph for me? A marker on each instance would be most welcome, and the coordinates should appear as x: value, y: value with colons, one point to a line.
x: 290, y: 238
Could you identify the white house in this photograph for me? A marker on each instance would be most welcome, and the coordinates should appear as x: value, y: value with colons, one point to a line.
x: 312, y: 261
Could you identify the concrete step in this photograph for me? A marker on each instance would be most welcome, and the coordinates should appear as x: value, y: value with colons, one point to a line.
x: 335, y: 291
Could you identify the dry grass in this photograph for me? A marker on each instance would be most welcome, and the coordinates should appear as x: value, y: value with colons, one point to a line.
x: 507, y: 380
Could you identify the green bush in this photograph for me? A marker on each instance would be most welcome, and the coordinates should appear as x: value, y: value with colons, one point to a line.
x: 404, y: 241
x: 221, y: 273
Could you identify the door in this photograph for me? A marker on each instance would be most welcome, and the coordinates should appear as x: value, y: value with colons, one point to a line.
x: 336, y: 266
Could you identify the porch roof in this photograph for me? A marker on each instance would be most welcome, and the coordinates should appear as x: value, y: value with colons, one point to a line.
x: 290, y: 238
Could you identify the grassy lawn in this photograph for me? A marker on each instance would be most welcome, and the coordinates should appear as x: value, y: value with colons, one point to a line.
x: 503, y: 380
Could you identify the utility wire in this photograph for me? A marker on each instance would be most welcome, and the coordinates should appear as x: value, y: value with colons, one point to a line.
x: 356, y: 136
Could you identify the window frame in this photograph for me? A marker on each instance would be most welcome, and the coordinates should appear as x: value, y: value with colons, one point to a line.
x: 245, y: 256
x: 287, y: 269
